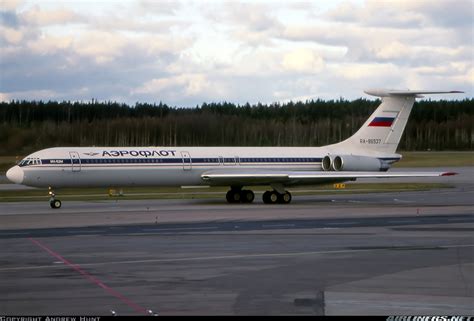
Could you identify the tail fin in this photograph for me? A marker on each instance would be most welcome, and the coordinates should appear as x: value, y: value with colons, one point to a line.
x: 381, y: 133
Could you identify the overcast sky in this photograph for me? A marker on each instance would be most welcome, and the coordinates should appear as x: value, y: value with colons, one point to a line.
x: 187, y: 52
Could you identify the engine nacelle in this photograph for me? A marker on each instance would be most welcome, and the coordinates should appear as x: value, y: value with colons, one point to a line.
x: 358, y: 163
x: 326, y: 164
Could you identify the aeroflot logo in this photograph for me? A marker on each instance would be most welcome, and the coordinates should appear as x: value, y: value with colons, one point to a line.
x: 143, y: 153
x: 382, y: 121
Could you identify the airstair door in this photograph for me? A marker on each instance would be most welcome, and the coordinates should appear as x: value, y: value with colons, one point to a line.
x: 75, y: 161
x: 187, y: 163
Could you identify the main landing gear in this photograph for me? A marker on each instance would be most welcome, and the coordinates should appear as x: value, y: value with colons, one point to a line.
x: 53, y: 202
x: 237, y: 195
x: 240, y: 196
x: 273, y: 197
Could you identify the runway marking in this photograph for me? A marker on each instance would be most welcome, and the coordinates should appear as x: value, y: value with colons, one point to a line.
x: 180, y: 228
x: 278, y: 225
x: 344, y: 223
x: 95, y: 231
x: 16, y: 233
x: 456, y: 219
x: 226, y: 257
x: 404, y: 221
x: 91, y: 278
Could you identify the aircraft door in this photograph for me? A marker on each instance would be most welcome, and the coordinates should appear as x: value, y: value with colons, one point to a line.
x: 75, y: 161
x: 187, y: 163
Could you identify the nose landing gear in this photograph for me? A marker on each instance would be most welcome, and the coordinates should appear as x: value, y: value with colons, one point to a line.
x: 53, y: 202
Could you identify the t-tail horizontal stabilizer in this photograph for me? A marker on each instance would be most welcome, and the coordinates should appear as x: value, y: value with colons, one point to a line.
x: 414, y: 93
x: 381, y: 133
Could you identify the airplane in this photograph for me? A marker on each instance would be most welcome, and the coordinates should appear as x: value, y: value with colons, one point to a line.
x: 368, y: 153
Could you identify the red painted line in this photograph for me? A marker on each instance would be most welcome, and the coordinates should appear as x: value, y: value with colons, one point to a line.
x: 91, y: 278
x: 449, y: 174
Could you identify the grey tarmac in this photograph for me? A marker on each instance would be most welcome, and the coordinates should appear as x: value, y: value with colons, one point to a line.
x: 366, y: 254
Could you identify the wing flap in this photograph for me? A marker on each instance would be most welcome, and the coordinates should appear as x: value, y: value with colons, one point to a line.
x: 292, y: 177
x: 251, y: 178
x: 341, y: 175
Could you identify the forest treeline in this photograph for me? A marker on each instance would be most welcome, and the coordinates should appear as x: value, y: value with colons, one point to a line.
x: 26, y: 126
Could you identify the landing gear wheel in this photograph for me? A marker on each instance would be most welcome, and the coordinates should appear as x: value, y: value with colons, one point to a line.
x: 266, y: 197
x: 284, y: 198
x: 228, y: 197
x: 274, y: 196
x: 55, y: 203
x: 233, y: 196
x: 247, y: 196
x: 270, y: 197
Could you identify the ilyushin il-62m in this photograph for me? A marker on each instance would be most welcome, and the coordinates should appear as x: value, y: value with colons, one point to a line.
x: 369, y: 153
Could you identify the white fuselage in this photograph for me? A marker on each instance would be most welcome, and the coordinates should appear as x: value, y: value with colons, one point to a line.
x: 157, y: 166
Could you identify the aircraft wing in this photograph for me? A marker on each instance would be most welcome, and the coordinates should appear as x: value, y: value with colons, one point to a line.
x: 223, y: 177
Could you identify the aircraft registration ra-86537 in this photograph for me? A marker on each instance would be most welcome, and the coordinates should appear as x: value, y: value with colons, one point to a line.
x: 369, y: 153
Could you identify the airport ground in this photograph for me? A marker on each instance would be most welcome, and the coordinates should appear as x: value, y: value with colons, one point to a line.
x: 324, y: 254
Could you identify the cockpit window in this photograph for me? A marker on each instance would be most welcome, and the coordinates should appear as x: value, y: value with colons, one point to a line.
x: 30, y: 161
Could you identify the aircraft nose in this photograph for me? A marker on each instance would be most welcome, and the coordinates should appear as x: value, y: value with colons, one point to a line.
x: 15, y: 174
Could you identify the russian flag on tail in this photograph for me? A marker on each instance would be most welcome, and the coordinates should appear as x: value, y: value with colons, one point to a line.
x: 382, y: 122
